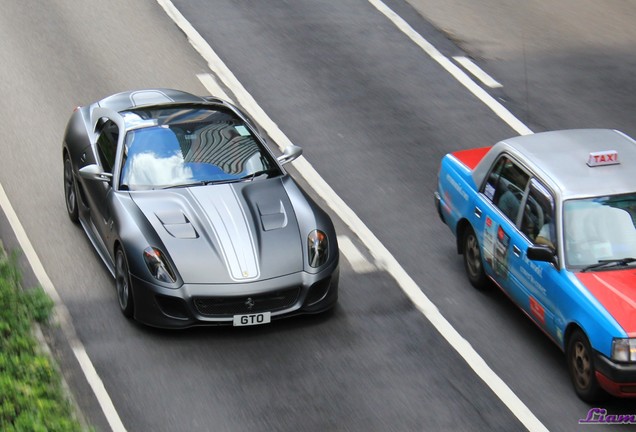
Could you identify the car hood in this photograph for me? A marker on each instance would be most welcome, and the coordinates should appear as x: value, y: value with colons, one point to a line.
x: 226, y: 233
x: 616, y: 291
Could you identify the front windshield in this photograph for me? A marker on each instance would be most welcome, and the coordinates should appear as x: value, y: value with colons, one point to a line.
x: 190, y: 145
x: 600, y: 228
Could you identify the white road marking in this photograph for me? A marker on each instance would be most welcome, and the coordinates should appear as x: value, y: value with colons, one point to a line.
x: 478, y: 72
x: 210, y: 83
x: 452, y: 69
x: 358, y: 262
x: 62, y: 315
x: 346, y: 214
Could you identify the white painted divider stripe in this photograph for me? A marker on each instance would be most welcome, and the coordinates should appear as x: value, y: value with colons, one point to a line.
x: 358, y: 262
x: 346, y: 214
x: 62, y: 315
x: 452, y: 69
x: 478, y: 72
x: 209, y: 82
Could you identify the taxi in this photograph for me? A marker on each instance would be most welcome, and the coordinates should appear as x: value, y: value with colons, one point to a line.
x: 550, y: 219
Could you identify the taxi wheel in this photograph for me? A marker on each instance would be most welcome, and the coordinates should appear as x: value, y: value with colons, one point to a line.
x: 581, y: 368
x: 472, y: 260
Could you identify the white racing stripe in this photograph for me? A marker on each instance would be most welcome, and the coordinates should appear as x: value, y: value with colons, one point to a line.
x: 346, y: 214
x: 63, y: 316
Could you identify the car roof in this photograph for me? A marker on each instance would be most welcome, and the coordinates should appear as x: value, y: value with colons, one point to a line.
x: 560, y: 158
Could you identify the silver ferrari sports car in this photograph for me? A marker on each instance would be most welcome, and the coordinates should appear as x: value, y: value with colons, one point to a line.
x: 192, y: 214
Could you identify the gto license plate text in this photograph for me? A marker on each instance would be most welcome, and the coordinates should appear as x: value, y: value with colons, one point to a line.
x: 252, y: 319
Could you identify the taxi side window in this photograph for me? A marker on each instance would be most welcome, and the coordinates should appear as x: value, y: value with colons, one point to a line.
x: 505, y: 187
x: 537, y: 221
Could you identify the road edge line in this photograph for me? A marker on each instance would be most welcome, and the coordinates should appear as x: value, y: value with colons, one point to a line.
x: 63, y: 316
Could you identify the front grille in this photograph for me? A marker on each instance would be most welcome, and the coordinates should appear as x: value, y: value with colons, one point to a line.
x: 246, y: 304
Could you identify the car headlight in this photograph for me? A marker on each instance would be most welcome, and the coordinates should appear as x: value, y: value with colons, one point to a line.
x: 158, y: 265
x: 318, y: 247
x: 624, y: 350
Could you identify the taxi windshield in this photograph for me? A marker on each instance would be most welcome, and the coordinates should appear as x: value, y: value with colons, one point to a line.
x: 599, y: 229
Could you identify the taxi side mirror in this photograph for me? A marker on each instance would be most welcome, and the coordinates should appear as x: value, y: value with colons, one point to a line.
x: 541, y: 253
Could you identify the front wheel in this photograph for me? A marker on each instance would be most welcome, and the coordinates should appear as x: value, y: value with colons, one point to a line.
x: 122, y: 282
x: 472, y: 260
x: 581, y: 368
x: 70, y: 191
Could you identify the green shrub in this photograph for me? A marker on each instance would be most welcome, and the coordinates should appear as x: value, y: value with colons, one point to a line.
x: 31, y: 396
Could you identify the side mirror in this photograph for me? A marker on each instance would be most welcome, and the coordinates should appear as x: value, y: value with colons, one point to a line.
x: 289, y: 154
x: 94, y: 172
x: 541, y: 253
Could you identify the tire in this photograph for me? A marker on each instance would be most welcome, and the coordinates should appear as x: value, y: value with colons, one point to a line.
x: 580, y: 361
x: 122, y: 283
x: 473, y: 263
x: 70, y: 190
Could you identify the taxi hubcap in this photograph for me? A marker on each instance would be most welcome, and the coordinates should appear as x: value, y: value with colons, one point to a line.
x: 474, y: 263
x: 582, y: 365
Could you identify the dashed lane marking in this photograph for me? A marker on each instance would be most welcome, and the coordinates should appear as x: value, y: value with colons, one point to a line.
x: 478, y: 72
x: 452, y: 69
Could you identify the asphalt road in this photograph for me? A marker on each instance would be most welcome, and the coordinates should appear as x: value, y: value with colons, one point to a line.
x: 374, y: 115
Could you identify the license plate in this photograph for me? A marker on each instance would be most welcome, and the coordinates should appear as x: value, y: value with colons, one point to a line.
x: 252, y: 319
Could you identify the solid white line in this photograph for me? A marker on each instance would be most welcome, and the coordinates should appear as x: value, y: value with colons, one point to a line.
x: 358, y: 262
x: 346, y: 214
x: 210, y: 83
x: 452, y: 69
x: 63, y: 316
x: 478, y: 72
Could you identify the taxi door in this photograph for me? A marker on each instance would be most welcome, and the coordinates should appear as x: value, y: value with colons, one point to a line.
x: 536, y: 279
x: 502, y: 242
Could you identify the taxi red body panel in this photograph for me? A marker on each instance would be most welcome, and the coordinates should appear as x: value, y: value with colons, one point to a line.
x: 471, y: 157
x: 616, y: 291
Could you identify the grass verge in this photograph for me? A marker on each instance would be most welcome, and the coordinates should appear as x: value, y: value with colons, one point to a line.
x: 31, y: 394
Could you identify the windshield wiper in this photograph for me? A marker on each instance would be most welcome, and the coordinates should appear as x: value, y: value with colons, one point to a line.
x: 183, y: 185
x: 610, y: 262
x: 251, y: 176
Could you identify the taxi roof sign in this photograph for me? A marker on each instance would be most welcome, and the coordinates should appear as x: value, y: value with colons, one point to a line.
x: 607, y: 157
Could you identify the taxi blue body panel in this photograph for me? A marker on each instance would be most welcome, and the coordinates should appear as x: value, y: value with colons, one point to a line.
x: 554, y: 293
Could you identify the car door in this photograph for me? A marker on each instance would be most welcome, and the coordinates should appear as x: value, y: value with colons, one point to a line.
x: 538, y: 280
x: 98, y: 191
x: 503, y: 194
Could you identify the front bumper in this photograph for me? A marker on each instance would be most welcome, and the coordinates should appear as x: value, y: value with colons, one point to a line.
x: 216, y: 304
x: 438, y: 205
x: 618, y: 379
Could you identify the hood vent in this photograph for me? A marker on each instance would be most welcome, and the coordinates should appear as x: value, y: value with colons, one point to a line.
x: 177, y: 224
x: 272, y: 215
